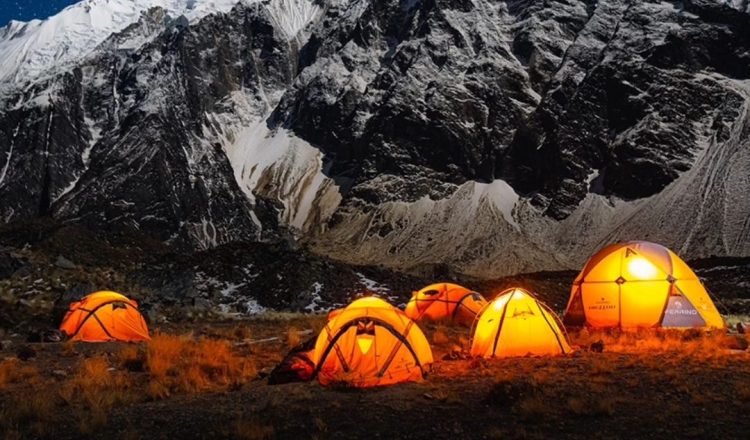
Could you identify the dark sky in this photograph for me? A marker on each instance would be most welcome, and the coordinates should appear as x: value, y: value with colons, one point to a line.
x: 25, y: 10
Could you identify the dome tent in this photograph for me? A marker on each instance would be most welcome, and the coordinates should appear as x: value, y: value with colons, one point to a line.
x: 104, y: 316
x: 515, y: 323
x: 445, y: 302
x: 371, y: 343
x: 639, y: 284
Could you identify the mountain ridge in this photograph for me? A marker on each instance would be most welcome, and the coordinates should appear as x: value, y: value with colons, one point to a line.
x: 490, y: 137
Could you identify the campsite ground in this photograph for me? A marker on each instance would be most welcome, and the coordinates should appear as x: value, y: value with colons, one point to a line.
x: 210, y: 384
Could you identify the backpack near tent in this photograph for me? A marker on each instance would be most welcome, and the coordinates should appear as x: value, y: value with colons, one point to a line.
x: 104, y: 316
x: 445, y: 302
x: 371, y: 343
x: 639, y: 284
x: 515, y: 323
x: 297, y: 365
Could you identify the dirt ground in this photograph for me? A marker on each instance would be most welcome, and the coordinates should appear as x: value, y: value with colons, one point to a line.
x: 676, y: 385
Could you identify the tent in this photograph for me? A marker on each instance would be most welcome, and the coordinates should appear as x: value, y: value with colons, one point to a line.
x: 445, y: 302
x: 104, y: 316
x: 371, y: 343
x: 515, y: 323
x: 639, y: 284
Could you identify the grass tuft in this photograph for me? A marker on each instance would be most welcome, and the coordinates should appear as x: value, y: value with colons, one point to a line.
x: 183, y: 364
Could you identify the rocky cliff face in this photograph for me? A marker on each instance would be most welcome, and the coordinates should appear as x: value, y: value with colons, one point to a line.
x: 482, y: 137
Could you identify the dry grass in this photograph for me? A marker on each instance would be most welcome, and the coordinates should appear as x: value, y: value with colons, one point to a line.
x: 132, y: 358
x: 31, y: 413
x: 320, y: 424
x: 13, y: 371
x: 69, y: 348
x: 239, y: 332
x: 440, y: 337
x: 94, y: 390
x: 742, y: 390
x: 253, y: 429
x: 591, y: 406
x: 293, y: 338
x: 303, y: 321
x: 693, y: 343
x: 533, y: 407
x: 183, y: 364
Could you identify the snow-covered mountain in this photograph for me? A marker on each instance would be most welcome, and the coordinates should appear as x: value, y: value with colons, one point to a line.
x: 34, y: 48
x: 483, y: 136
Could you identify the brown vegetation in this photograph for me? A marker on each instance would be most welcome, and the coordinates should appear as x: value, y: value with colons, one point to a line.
x: 94, y: 390
x: 183, y: 364
x: 13, y: 371
x: 199, y: 377
x: 252, y: 429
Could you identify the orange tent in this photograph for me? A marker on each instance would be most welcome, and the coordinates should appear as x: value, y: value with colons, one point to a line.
x: 639, y: 284
x: 371, y: 343
x: 445, y: 302
x: 517, y: 324
x: 104, y: 316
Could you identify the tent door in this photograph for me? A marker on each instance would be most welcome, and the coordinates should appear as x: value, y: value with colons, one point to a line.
x: 681, y: 313
x: 575, y: 316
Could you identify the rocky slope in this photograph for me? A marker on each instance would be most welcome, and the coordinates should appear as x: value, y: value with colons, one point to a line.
x: 483, y: 137
x: 45, y: 266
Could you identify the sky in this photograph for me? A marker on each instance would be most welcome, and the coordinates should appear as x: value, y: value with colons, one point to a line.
x: 25, y: 10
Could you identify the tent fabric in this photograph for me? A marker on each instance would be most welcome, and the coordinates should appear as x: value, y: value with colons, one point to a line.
x: 515, y: 324
x: 639, y: 284
x: 445, y: 302
x: 104, y: 316
x: 371, y: 343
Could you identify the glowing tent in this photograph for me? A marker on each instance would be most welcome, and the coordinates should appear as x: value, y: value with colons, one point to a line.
x: 445, y: 302
x: 104, y: 316
x: 371, y: 343
x: 517, y: 324
x: 639, y: 284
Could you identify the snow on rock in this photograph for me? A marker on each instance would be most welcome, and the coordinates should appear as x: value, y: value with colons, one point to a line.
x: 279, y: 165
x: 457, y: 230
x: 316, y: 300
x: 481, y: 137
x: 372, y: 285
x: 501, y: 195
x: 30, y: 49
x: 252, y: 307
x: 292, y: 16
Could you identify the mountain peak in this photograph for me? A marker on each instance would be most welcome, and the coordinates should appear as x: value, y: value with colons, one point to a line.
x: 31, y: 48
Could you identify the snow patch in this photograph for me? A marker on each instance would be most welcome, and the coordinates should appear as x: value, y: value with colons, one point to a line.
x: 280, y: 165
x: 372, y: 285
x: 502, y: 196
x: 9, y: 156
x: 231, y: 289
x: 252, y: 307
x: 95, y: 134
x: 316, y: 299
x: 292, y: 16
